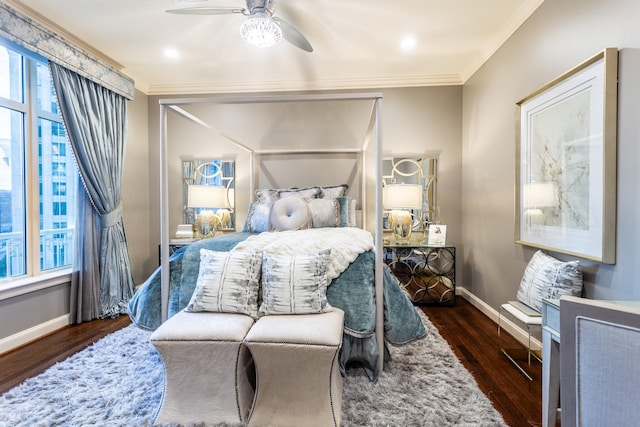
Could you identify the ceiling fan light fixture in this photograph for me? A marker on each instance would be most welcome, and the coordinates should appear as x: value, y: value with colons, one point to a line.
x: 261, y: 31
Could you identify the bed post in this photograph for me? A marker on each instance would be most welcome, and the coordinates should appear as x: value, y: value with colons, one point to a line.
x: 164, y: 217
x: 378, y: 237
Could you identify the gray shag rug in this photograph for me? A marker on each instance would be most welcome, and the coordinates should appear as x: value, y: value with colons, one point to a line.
x: 118, y: 381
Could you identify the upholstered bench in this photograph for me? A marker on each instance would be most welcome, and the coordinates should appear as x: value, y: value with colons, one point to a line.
x: 298, y: 378
x: 209, y: 372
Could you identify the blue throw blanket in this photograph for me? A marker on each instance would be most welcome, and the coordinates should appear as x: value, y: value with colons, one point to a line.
x: 353, y: 292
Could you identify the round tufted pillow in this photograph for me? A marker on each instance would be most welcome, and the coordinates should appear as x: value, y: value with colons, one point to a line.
x: 290, y: 213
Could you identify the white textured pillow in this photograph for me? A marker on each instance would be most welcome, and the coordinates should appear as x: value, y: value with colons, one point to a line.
x: 324, y: 212
x: 290, y: 213
x: 227, y: 282
x: 294, y: 284
x: 547, y: 277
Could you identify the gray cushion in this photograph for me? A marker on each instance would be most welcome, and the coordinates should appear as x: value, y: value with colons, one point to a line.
x: 547, y: 277
x: 227, y: 282
x: 324, y: 212
x: 334, y: 191
x: 294, y: 284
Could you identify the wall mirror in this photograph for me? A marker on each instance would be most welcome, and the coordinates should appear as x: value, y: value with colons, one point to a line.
x: 208, y: 187
x: 410, y: 185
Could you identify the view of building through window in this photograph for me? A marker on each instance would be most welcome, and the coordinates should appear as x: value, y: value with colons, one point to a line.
x: 38, y: 176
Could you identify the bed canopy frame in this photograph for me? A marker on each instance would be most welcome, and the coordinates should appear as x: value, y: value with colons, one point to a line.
x: 373, y: 136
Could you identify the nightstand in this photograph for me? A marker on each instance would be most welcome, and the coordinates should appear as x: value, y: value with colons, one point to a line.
x: 427, y: 273
x: 174, y: 245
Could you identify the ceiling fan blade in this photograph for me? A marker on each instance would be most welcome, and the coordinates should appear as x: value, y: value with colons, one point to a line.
x: 293, y: 36
x: 207, y: 10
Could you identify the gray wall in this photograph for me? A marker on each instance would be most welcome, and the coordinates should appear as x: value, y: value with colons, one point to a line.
x: 560, y: 35
x: 135, y: 194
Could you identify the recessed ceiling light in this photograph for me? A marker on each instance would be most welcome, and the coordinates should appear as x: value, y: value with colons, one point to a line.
x: 171, y: 53
x: 408, y: 43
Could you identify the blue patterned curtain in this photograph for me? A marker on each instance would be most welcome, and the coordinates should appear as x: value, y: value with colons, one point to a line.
x: 96, y: 122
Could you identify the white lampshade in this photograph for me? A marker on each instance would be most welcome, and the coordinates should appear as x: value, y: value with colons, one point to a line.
x: 402, y: 196
x: 206, y: 196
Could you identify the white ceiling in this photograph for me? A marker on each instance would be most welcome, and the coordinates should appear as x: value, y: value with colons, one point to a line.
x: 356, y: 42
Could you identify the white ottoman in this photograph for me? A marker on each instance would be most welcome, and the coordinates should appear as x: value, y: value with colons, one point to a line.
x: 298, y: 377
x: 210, y: 376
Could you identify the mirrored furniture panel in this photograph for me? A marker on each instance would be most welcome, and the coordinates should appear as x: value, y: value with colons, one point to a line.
x: 409, y: 195
x: 428, y: 273
x: 208, y: 195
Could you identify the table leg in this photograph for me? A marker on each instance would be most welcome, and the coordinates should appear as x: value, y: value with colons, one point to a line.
x: 550, y: 378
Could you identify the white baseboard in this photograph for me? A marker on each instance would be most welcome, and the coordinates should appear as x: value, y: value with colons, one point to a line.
x: 16, y: 340
x: 512, y: 328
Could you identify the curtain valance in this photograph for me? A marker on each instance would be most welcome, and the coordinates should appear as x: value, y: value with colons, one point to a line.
x: 34, y: 36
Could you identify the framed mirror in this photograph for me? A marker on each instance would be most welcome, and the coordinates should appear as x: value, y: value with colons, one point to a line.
x: 209, y: 185
x: 400, y: 174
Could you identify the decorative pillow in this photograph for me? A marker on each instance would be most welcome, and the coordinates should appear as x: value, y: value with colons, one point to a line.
x: 227, y: 282
x: 247, y: 220
x: 267, y: 195
x: 305, y: 193
x: 258, y: 217
x: 347, y: 211
x: 352, y: 213
x: 324, y: 212
x: 257, y: 220
x: 547, y: 277
x: 290, y: 213
x: 294, y: 284
x: 334, y: 191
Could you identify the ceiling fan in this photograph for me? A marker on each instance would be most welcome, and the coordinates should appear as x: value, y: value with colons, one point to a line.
x: 261, y: 28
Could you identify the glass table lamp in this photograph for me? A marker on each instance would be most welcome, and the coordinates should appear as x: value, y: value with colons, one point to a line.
x: 400, y: 198
x: 207, y: 198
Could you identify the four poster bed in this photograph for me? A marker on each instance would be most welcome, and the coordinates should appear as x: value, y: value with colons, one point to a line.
x: 286, y: 222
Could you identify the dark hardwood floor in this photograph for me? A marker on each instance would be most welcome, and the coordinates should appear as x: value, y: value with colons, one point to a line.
x: 33, y: 358
x: 471, y: 334
x: 474, y: 339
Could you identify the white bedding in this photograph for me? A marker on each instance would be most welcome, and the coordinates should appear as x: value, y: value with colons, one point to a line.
x: 346, y: 243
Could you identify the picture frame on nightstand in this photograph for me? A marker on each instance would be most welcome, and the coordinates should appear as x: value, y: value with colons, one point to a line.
x: 437, y: 235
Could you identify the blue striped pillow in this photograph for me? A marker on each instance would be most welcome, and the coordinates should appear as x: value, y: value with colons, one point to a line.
x: 547, y: 277
x: 227, y: 282
x: 294, y: 284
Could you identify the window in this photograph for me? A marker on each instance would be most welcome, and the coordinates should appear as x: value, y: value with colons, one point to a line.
x: 38, y: 177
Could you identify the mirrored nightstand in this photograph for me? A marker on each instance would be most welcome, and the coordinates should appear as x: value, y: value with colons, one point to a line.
x: 428, y: 273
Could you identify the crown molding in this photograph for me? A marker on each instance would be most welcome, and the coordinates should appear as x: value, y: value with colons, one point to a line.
x: 286, y: 86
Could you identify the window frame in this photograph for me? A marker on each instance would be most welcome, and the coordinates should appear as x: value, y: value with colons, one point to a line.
x: 34, y: 278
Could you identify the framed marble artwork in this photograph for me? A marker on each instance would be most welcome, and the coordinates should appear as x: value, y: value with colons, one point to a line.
x: 566, y: 162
